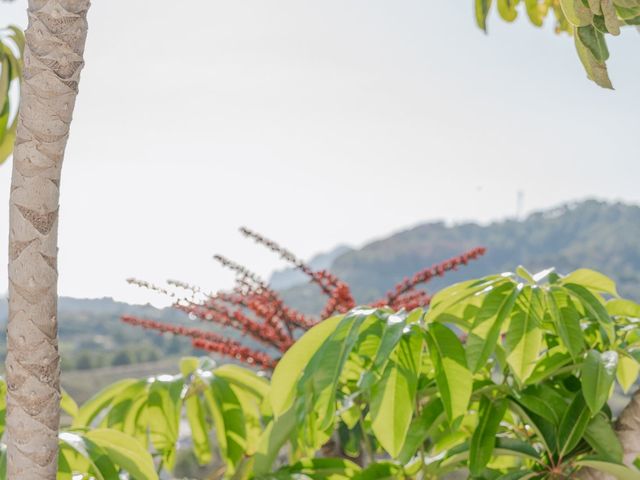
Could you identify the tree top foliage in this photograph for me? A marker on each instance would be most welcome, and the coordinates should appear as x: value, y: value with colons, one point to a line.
x: 587, y: 21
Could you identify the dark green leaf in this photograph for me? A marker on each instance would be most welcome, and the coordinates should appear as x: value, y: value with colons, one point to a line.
x: 603, y: 439
x: 573, y: 425
x: 484, y: 436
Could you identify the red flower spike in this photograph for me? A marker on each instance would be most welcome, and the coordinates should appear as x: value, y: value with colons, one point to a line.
x: 253, y: 308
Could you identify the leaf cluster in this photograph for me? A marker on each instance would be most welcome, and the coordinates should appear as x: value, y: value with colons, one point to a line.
x: 588, y: 21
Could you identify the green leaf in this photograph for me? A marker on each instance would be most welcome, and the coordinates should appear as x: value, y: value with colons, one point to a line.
x: 319, y: 468
x: 453, y: 378
x: 290, y: 367
x: 594, y: 307
x: 627, y: 371
x: 226, y: 411
x: 596, y: 69
x: 543, y: 401
x: 524, y: 337
x: 89, y: 410
x: 595, y: 7
x: 164, y: 407
x: 524, y: 274
x: 484, y: 436
x: 244, y: 379
x: 94, y: 460
x: 458, y: 293
x: 393, y: 398
x: 623, y: 308
x: 573, y: 425
x: 591, y: 279
x: 275, y: 435
x: 603, y: 439
x: 595, y: 42
x: 576, y: 12
x: 598, y: 373
x: 547, y: 366
x: 516, y: 448
x: 125, y: 451
x: 199, y: 429
x: 610, y: 17
x: 431, y: 417
x: 567, y: 323
x: 482, y: 10
x: 68, y: 404
x: 507, y: 9
x: 621, y: 472
x: 536, y: 12
x: 485, y: 332
x: 381, y: 471
x: 319, y: 382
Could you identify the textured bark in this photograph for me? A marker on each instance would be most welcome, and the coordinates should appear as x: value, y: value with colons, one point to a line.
x: 53, y: 59
x: 628, y: 431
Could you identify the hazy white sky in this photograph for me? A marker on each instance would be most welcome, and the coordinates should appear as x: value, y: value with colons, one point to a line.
x: 317, y: 123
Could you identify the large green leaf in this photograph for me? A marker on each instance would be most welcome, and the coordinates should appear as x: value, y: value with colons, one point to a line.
x: 89, y: 410
x: 573, y: 425
x: 244, y: 379
x: 292, y: 364
x: 275, y: 435
x: 393, y: 398
x: 453, y: 378
x: 598, y: 374
x: 125, y: 451
x: 484, y: 436
x: 543, y: 401
x: 603, y: 438
x: 89, y: 455
x: 381, y: 471
x: 622, y: 307
x: 627, y: 371
x: 593, y: 305
x: 524, y: 338
x: 619, y: 471
x: 591, y: 279
x: 553, y: 360
x: 566, y: 322
x: 485, y: 331
x: 164, y: 407
x: 596, y: 69
x: 430, y: 418
x: 68, y: 404
x: 460, y: 292
x: 318, y: 469
x: 226, y: 411
x: 576, y: 12
x: 195, y: 412
x: 319, y: 382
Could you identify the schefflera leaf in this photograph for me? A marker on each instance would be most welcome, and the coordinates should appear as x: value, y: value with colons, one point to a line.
x: 524, y: 336
x: 453, y: 378
x: 484, y: 436
x: 598, y: 374
x: 393, y: 397
x: 485, y: 331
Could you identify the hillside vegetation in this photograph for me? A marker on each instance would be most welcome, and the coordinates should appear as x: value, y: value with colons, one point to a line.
x: 591, y: 234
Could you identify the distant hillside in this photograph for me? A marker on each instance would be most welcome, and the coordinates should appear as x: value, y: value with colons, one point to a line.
x: 290, y: 277
x: 593, y: 234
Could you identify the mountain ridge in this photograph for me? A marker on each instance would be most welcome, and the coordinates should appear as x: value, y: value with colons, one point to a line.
x: 592, y: 233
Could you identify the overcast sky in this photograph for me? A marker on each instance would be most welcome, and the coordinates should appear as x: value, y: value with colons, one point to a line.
x: 318, y: 123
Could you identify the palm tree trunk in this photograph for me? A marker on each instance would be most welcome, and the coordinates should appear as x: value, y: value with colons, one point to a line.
x: 53, y: 59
